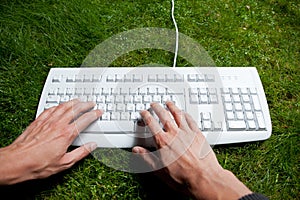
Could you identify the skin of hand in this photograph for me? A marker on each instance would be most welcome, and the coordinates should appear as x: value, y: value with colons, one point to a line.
x: 41, y: 150
x: 184, y: 160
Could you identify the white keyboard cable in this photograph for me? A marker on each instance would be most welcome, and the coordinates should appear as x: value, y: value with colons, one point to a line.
x: 177, y: 33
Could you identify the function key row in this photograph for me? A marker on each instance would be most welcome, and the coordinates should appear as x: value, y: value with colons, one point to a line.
x: 132, y: 78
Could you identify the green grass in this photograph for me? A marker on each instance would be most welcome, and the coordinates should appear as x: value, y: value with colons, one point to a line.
x: 36, y: 35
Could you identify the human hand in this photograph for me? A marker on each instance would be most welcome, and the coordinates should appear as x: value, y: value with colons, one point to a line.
x: 184, y: 159
x: 41, y: 150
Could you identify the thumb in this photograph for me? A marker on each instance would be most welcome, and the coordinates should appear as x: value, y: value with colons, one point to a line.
x: 147, y: 156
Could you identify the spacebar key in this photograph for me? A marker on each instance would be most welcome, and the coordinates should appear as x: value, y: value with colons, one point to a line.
x: 236, y: 125
x: 110, y: 127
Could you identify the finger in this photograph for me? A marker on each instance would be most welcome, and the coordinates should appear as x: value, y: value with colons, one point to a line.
x: 151, y: 159
x: 164, y: 116
x: 179, y: 115
x: 152, y: 124
x: 46, y: 113
x: 70, y: 158
x: 84, y: 121
x: 75, y: 110
x: 191, y: 123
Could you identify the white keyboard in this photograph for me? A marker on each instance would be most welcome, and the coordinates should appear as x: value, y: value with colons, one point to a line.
x: 228, y: 103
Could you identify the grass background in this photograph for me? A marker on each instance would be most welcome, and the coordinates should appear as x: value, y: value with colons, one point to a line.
x: 36, y: 35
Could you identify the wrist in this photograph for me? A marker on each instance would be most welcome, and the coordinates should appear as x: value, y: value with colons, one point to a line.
x: 13, y: 169
x: 217, y: 184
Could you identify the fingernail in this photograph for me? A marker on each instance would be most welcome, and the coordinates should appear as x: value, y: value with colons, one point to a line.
x: 136, y: 150
x: 93, y: 146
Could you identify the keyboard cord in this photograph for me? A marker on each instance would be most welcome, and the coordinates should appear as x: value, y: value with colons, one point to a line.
x: 176, y: 29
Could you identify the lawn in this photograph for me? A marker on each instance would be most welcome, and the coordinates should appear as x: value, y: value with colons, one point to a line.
x: 37, y: 35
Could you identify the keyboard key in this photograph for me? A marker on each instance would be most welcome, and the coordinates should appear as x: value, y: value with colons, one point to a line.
x: 97, y: 78
x: 213, y: 98
x: 151, y: 90
x: 56, y: 79
x: 160, y: 78
x: 61, y: 91
x: 161, y: 91
x: 105, y: 91
x: 194, y: 99
x: 260, y: 120
x: 152, y: 78
x: 119, y: 99
x: 230, y: 115
x: 203, y: 98
x: 147, y: 99
x: 105, y: 116
x: 100, y: 99
x: 139, y: 107
x: 52, y: 91
x: 193, y: 91
x: 128, y: 99
x: 137, y: 99
x: 238, y: 106
x: 87, y: 78
x: 170, y: 77
x: 143, y: 91
x: 110, y: 107
x: 225, y: 91
x: 109, y: 99
x: 127, y: 78
x: 166, y: 98
x: 202, y: 90
x: 227, y: 98
x: 240, y: 115
x: 207, y: 125
x: 178, y: 78
x: 115, y: 116
x: 137, y: 78
x: 101, y: 106
x: 249, y: 115
x: 78, y: 78
x: 244, y: 91
x: 53, y: 99
x: 234, y: 90
x: 251, y: 125
x: 236, y: 98
x: 212, y: 90
x: 236, y: 125
x: 206, y: 116
x: 252, y: 90
x: 135, y: 116
x: 119, y: 78
x: 78, y: 91
x: 120, y: 107
x: 255, y: 102
x: 228, y: 106
x: 64, y: 99
x: 110, y: 78
x: 247, y: 106
x: 217, y: 126
x: 156, y: 98
x: 130, y: 107
x: 200, y: 78
x: 50, y: 105
x: 70, y: 78
x: 192, y: 77
x: 210, y: 78
x: 245, y: 98
x: 125, y: 116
